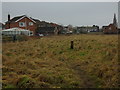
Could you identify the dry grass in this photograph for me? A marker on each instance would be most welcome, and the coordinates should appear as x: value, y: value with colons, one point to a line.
x: 49, y: 62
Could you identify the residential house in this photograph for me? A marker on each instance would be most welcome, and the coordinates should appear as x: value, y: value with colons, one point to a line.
x: 47, y: 31
x: 28, y: 23
x: 110, y: 29
x: 48, y: 28
x: 86, y: 29
x: 2, y: 26
x: 23, y: 22
x: 67, y: 30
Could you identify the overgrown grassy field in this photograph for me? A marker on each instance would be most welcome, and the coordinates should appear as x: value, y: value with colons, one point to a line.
x: 49, y: 62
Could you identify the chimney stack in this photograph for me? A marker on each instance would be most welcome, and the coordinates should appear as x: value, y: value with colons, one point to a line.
x: 8, y: 20
x: 8, y: 17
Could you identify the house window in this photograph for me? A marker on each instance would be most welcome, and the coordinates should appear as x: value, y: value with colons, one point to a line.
x: 30, y: 23
x: 22, y: 24
x: 110, y: 28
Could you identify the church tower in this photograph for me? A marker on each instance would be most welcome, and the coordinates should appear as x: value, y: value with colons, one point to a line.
x: 115, y: 20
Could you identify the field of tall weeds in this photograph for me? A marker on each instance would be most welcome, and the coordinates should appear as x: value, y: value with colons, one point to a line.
x: 48, y: 62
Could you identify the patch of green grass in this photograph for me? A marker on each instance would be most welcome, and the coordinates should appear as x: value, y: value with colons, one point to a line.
x: 23, y: 81
x: 8, y: 54
x: 83, y: 53
x: 10, y: 86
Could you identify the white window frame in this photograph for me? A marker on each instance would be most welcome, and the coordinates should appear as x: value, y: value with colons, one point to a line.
x: 24, y: 24
x: 30, y: 23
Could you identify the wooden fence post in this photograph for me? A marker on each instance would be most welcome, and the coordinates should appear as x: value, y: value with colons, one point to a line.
x: 72, y: 45
x: 14, y: 38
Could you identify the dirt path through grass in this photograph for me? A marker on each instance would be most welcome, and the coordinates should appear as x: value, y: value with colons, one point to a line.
x: 86, y: 80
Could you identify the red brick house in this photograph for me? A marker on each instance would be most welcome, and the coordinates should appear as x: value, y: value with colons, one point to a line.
x: 28, y: 23
x: 23, y: 22
x: 110, y: 29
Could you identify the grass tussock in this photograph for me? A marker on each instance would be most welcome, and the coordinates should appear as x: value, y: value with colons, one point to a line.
x: 49, y: 62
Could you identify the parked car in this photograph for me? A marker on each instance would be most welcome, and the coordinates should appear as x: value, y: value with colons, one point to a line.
x: 41, y: 35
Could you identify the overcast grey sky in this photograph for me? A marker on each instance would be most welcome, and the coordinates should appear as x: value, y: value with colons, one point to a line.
x: 0, y: 11
x: 75, y: 13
